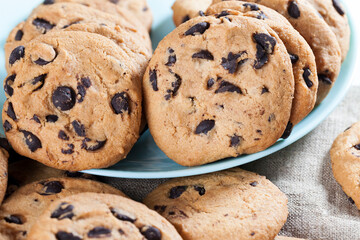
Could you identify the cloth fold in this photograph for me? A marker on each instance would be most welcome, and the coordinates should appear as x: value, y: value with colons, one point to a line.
x: 318, y: 208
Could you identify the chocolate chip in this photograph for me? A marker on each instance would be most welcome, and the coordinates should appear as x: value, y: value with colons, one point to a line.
x: 261, y: 15
x: 66, y: 236
x: 42, y: 24
x: 123, y: 216
x: 120, y: 103
x: 266, y: 41
x: 98, y: 145
x: 171, y: 61
x: 287, y: 131
x: 40, y: 79
x: 205, y: 126
x: 254, y: 184
x: 79, y: 128
x: 114, y: 1
x: 357, y: 147
x: 176, y: 192
x: 203, y: 54
x: 32, y: 141
x: 198, y: 28
x: 160, y: 209
x: 42, y: 62
x: 64, y: 98
x: 99, y: 232
x: 253, y: 7
x: 7, y: 86
x: 230, y: 63
x: 36, y: 119
x: 271, y: 117
x: 16, y: 54
x: 222, y: 14
x: 86, y: 82
x: 235, y: 141
x: 64, y: 211
x: 200, y: 189
x: 294, y: 58
x: 15, y: 219
x: 63, y: 136
x: 210, y: 83
x: 153, y: 79
x: 10, y: 112
x: 81, y: 93
x: 306, y: 75
x: 201, y: 13
x: 261, y: 57
x: 49, y: 2
x: 325, y: 79
x: 151, y: 233
x: 68, y: 151
x: 293, y: 9
x: 175, y: 88
x: 51, y: 188
x: 52, y: 118
x: 228, y: 87
x: 338, y: 7
x: 19, y: 35
x: 7, y: 126
x: 264, y: 90
x: 185, y: 19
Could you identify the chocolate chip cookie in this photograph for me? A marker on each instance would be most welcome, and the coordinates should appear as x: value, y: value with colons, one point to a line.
x: 74, y: 101
x: 4, y: 155
x: 345, y: 160
x: 76, y: 17
x: 184, y: 10
x: 217, y: 89
x: 23, y: 208
x: 335, y: 16
x: 233, y: 204
x: 89, y: 215
x: 317, y: 33
x: 300, y: 53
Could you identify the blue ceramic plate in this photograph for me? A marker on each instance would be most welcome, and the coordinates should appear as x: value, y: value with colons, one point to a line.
x: 146, y: 160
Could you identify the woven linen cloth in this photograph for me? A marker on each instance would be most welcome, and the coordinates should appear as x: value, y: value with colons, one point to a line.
x: 318, y: 208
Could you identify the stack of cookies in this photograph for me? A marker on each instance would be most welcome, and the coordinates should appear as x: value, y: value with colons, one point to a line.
x: 73, y: 89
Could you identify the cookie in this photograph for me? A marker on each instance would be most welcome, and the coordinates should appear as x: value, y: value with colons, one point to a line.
x: 23, y: 208
x: 89, y: 215
x: 217, y: 89
x: 345, y: 160
x: 76, y: 17
x: 74, y: 101
x: 184, y: 10
x: 4, y: 156
x: 134, y: 11
x: 233, y: 204
x: 317, y: 33
x: 302, y: 57
x: 335, y: 16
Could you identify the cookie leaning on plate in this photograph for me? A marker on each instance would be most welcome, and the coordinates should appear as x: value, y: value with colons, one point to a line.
x: 74, y: 101
x: 317, y: 33
x: 300, y: 53
x: 216, y: 89
x: 232, y: 204
x: 89, y: 215
x: 345, y: 160
x: 184, y: 10
x: 23, y: 208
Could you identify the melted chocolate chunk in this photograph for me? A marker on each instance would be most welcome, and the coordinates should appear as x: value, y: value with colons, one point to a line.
x: 203, y: 54
x: 36, y: 119
x: 252, y: 6
x: 51, y: 188
x: 92, y: 148
x: 235, y: 141
x: 261, y: 57
x: 222, y: 14
x: 150, y: 233
x: 43, y: 24
x: 64, y: 98
x: 175, y: 88
x: 185, y: 19
x: 338, y: 7
x: 261, y: 15
x: 99, y: 232
x: 15, y: 219
x: 160, y: 209
x: 64, y: 211
x: 287, y: 131
x: 42, y: 62
x: 7, y: 126
x: 230, y: 63
x: 79, y: 128
x: 10, y: 112
x: 228, y: 87
x: 294, y: 58
x: 19, y: 35
x: 172, y: 59
x: 199, y: 28
x: 86, y: 82
x: 68, y: 151
x: 66, y: 236
x: 266, y: 41
x: 52, y: 118
x: 325, y: 79
x: 48, y: 2
x: 306, y: 75
x: 63, y: 136
x: 122, y: 215
x: 81, y: 93
x: 264, y: 90
x: 254, y: 184
x: 357, y: 147
x: 16, y: 54
x: 210, y: 83
x: 176, y: 192
x: 293, y: 9
x: 153, y: 79
x: 40, y: 79
x: 7, y: 86
x: 205, y: 127
x: 201, y: 13
x: 200, y: 189
x: 120, y: 103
